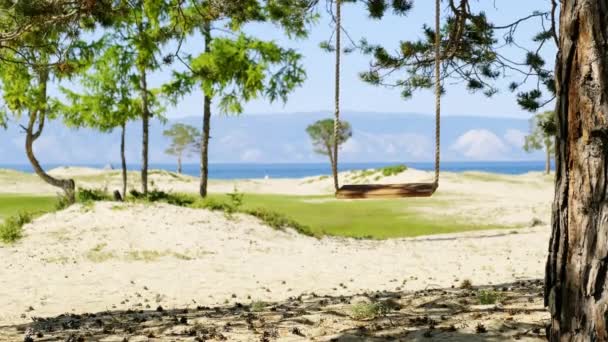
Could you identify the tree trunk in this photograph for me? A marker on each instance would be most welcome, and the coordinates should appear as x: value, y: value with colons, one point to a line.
x: 67, y: 185
x: 145, y: 118
x: 206, y: 124
x: 123, y: 159
x: 205, y: 147
x: 179, y: 164
x: 334, y: 164
x: 575, y: 281
x: 548, y: 157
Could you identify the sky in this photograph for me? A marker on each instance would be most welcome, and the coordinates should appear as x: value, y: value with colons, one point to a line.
x: 474, y: 128
x: 316, y: 94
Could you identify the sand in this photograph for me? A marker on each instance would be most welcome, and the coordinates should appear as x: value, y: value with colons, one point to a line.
x: 116, y: 257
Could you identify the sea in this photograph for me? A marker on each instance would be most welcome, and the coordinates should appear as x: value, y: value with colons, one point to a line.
x: 295, y: 170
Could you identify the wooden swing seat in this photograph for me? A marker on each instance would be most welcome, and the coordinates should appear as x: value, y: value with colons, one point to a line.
x: 379, y: 191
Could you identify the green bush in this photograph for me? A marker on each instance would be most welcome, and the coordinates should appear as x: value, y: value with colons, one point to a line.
x: 393, y: 170
x: 92, y: 195
x: 181, y: 200
x: 62, y: 202
x: 278, y: 220
x: 367, y: 311
x: 487, y: 297
x: 213, y: 204
x: 12, y: 228
x: 236, y: 198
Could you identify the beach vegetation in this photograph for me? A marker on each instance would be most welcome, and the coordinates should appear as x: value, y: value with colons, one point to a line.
x: 321, y: 134
x: 11, y: 229
x: 185, y: 140
x: 368, y: 311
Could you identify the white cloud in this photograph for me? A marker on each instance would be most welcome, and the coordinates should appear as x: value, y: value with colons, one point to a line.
x: 480, y: 144
x: 515, y: 137
x: 366, y: 146
x: 251, y: 155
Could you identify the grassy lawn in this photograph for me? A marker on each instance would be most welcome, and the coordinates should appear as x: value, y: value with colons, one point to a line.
x: 13, y: 204
x: 324, y: 215
x: 378, y: 219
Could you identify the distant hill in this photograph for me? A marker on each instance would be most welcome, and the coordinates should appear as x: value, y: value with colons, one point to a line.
x: 271, y: 138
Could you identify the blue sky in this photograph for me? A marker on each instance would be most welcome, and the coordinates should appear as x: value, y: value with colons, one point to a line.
x: 317, y: 92
x: 260, y: 137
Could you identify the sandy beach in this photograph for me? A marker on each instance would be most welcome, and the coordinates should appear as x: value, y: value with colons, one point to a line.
x: 118, y: 259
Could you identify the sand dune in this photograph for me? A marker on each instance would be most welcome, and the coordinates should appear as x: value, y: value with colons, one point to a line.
x: 115, y: 257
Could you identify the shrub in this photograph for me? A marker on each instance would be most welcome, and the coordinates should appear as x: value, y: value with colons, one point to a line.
x: 213, y: 204
x: 62, y: 202
x: 466, y: 284
x: 487, y: 297
x: 366, y: 311
x: 393, y: 170
x: 181, y: 200
x: 92, y: 195
x: 279, y: 221
x: 236, y: 198
x: 258, y: 306
x: 12, y: 228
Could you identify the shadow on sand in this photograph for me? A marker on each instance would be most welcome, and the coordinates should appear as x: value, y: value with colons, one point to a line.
x: 517, y: 313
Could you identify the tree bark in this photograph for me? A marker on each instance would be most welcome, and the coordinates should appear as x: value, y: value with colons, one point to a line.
x: 123, y: 159
x: 206, y: 124
x: 67, y: 185
x: 575, y: 280
x: 205, y: 147
x: 548, y: 158
x: 145, y: 118
x: 179, y: 164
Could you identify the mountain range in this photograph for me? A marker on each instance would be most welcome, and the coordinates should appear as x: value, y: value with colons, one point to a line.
x: 278, y: 138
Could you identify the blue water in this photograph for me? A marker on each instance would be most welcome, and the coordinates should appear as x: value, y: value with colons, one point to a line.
x: 240, y: 171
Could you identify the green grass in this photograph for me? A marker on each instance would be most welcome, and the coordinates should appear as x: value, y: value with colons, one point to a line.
x: 13, y: 204
x: 311, y: 215
x: 378, y: 219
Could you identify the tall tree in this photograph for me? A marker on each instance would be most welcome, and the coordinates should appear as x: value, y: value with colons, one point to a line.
x: 24, y: 87
x: 18, y: 19
x: 107, y: 101
x: 322, y: 135
x: 184, y: 140
x: 576, y: 279
x: 144, y: 27
x: 542, y: 136
x: 236, y: 68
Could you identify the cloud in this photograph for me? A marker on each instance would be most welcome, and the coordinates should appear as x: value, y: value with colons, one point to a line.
x: 480, y: 144
x: 365, y: 146
x: 251, y: 155
x: 515, y: 137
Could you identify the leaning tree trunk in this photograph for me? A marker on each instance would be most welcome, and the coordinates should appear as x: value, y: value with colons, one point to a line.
x: 123, y: 159
x: 576, y: 291
x: 145, y: 118
x: 67, y: 185
x: 206, y: 124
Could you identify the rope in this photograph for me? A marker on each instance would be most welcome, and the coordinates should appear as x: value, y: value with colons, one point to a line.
x: 437, y: 89
x: 337, y: 88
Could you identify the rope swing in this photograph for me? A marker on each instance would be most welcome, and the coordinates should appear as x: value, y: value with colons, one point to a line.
x: 359, y: 191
